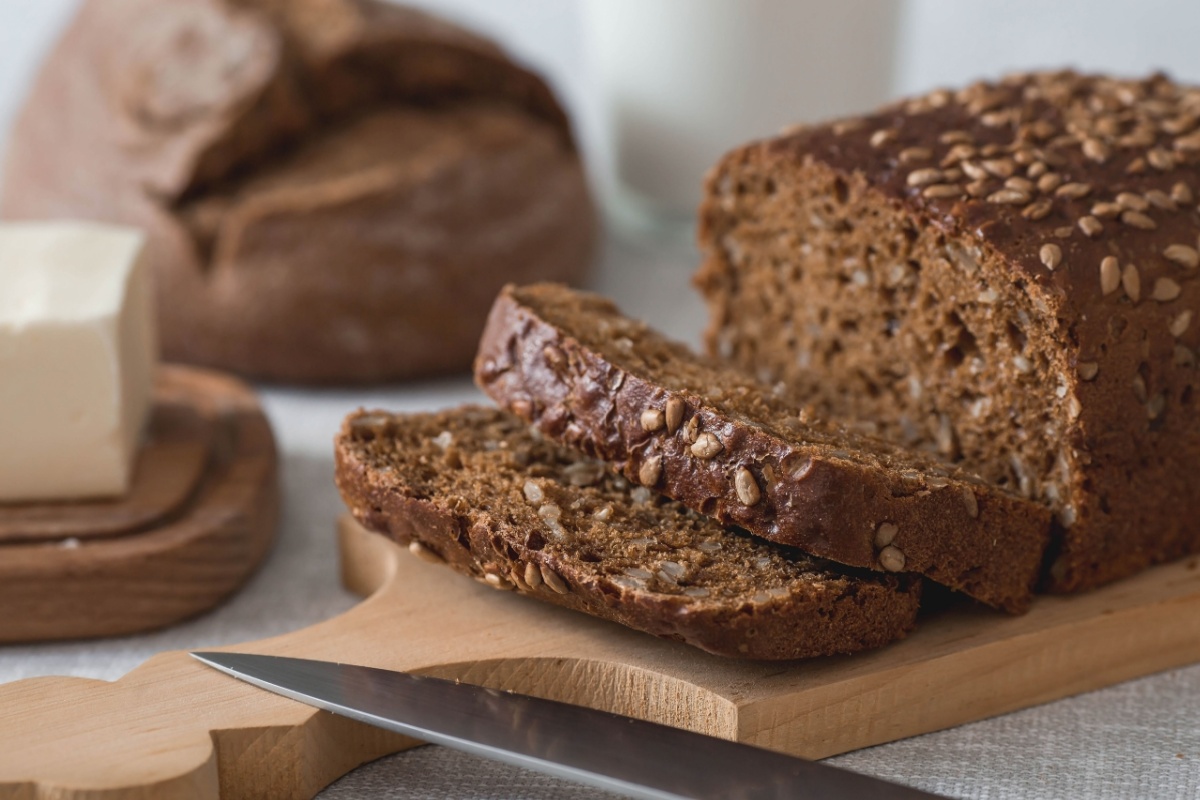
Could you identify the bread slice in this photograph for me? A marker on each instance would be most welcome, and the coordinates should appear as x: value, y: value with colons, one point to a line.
x: 1006, y: 274
x: 746, y: 453
x: 479, y: 490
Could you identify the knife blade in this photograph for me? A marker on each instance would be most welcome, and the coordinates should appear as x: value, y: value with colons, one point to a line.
x: 608, y: 751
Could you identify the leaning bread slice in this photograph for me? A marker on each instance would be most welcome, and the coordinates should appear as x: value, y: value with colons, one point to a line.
x: 481, y: 491
x: 725, y: 445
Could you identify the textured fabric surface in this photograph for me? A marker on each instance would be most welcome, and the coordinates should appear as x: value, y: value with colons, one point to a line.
x: 1137, y: 740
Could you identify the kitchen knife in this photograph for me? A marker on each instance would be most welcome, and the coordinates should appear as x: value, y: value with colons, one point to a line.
x: 598, y: 748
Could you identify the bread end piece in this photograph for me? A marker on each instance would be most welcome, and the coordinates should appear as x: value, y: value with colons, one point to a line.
x: 479, y: 491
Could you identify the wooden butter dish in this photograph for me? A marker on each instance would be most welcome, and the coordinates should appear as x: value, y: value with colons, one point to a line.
x: 198, y: 520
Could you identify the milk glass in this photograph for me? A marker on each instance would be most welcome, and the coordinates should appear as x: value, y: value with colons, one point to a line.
x: 679, y: 82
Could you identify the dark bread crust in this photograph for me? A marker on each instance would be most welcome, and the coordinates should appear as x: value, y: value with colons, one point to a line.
x: 461, y: 500
x: 545, y: 355
x: 379, y: 266
x: 1124, y: 161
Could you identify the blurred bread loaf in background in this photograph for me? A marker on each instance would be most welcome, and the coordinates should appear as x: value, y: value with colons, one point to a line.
x: 334, y: 190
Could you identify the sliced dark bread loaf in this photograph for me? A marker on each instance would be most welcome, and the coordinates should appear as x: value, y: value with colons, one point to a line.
x: 1008, y: 274
x: 481, y: 491
x: 746, y: 453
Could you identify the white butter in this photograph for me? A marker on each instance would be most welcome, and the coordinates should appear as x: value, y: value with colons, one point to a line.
x: 77, y: 356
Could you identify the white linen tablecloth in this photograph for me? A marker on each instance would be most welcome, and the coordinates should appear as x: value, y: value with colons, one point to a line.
x: 1136, y: 740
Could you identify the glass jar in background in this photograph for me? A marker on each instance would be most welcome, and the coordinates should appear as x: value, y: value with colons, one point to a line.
x: 680, y: 82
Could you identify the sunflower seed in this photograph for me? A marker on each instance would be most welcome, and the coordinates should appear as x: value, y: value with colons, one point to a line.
x: 583, y: 473
x: 498, y: 581
x: 1166, y: 290
x: 706, y: 445
x: 1051, y: 256
x: 650, y: 471
x: 1188, y: 143
x: 977, y: 188
x: 911, y: 155
x: 1009, y: 197
x: 1137, y: 219
x: 1096, y: 150
x: 1000, y: 167
x: 957, y: 154
x: 533, y: 492
x: 1038, y: 210
x: 970, y: 502
x: 1181, y: 323
x: 1073, y: 191
x: 974, y: 171
x: 1131, y: 281
x: 955, y: 137
x: 1160, y: 199
x: 652, y: 420
x: 747, y: 488
x: 1090, y: 226
x: 923, y: 177
x: 882, y: 136
x: 1160, y: 159
x: 940, y: 191
x: 552, y: 579
x: 1110, y: 275
x: 1020, y: 184
x: 674, y: 415
x: 1049, y: 182
x: 673, y: 570
x: 892, y: 559
x: 1133, y: 202
x: 1183, y: 255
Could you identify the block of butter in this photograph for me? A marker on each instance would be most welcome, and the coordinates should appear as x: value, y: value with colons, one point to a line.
x: 77, y: 356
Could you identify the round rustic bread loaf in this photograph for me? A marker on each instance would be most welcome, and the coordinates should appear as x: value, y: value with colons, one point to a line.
x: 334, y: 190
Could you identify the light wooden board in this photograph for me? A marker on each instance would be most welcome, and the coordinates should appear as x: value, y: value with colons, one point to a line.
x: 199, y: 520
x: 175, y: 729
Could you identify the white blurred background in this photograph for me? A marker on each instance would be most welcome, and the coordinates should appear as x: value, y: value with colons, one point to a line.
x: 939, y: 42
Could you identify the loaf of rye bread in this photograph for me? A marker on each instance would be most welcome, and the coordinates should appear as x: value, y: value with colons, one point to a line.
x: 478, y: 490
x: 334, y: 190
x: 1005, y: 275
x: 746, y: 453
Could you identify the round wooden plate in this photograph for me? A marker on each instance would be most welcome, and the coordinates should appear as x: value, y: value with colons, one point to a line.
x: 198, y: 521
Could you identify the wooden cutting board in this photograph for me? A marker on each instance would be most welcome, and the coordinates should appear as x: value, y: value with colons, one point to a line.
x: 173, y: 728
x: 199, y: 518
